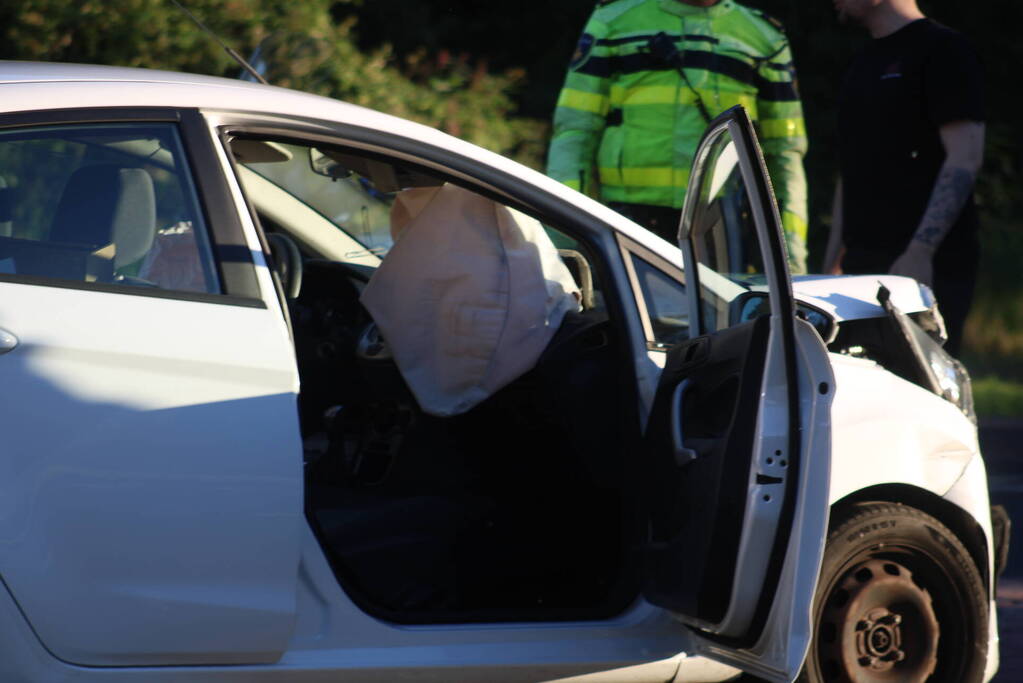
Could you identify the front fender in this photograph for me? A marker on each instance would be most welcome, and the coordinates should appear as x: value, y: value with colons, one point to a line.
x: 894, y: 439
x: 886, y: 430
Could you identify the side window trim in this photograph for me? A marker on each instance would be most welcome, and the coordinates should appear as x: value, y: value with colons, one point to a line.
x: 233, y: 261
x: 132, y: 290
x: 223, y: 137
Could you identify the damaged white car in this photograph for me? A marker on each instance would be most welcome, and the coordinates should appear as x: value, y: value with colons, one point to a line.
x: 299, y: 391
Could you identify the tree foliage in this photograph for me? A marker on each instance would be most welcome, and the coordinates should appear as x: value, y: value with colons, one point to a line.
x: 305, y: 48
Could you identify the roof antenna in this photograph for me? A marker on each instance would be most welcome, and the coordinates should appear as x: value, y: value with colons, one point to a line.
x: 230, y: 51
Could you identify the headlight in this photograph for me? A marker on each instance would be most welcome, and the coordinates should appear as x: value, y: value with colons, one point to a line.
x: 950, y: 378
x: 935, y: 368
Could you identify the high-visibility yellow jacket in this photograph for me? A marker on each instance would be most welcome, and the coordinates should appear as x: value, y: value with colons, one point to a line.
x: 627, y: 114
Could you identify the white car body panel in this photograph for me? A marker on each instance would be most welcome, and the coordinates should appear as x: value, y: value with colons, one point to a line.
x: 117, y: 470
x: 81, y: 597
x: 333, y: 631
x: 851, y: 297
x: 911, y: 420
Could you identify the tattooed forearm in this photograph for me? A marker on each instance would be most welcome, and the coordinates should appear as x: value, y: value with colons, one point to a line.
x: 951, y: 190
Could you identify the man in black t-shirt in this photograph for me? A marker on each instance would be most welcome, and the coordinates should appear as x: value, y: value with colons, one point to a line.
x: 911, y: 129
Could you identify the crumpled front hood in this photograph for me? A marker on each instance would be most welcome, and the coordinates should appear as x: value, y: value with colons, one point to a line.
x: 852, y: 297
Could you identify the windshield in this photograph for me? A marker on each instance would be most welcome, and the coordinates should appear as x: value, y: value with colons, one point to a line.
x: 353, y: 203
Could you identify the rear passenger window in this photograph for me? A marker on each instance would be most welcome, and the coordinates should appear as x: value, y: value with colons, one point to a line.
x: 102, y: 203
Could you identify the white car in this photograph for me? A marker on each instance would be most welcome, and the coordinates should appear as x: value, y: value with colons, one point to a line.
x: 213, y: 468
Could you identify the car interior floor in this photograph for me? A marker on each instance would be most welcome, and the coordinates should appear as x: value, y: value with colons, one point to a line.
x: 519, y: 509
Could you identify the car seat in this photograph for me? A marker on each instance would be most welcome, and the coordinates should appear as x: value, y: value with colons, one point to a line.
x: 112, y: 209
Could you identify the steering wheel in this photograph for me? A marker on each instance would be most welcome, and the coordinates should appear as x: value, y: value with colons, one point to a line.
x: 287, y: 262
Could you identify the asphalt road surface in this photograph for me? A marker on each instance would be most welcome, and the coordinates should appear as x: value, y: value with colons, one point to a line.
x: 1001, y: 442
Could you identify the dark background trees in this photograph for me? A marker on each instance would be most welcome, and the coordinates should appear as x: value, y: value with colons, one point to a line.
x: 490, y: 72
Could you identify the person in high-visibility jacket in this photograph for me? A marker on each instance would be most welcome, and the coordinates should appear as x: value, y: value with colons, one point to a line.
x: 644, y: 82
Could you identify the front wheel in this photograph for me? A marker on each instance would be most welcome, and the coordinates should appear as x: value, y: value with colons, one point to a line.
x: 899, y: 599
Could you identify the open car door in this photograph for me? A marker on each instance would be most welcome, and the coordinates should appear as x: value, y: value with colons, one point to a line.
x: 739, y: 434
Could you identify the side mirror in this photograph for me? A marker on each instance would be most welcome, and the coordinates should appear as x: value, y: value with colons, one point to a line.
x: 752, y: 305
x: 323, y: 165
x: 825, y: 325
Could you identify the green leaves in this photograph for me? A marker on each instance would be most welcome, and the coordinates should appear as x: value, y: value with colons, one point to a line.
x: 303, y: 46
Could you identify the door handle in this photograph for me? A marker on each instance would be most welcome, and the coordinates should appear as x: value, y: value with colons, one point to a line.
x: 7, y: 341
x: 683, y: 455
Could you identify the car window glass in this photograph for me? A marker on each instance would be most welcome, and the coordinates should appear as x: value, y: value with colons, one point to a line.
x: 356, y: 203
x: 104, y: 203
x: 665, y: 300
x: 724, y: 238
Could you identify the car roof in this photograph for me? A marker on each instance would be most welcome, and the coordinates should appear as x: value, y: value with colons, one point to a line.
x: 37, y: 85
x: 13, y: 71
x: 34, y: 86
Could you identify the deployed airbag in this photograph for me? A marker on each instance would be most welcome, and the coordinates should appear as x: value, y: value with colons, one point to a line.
x: 468, y: 297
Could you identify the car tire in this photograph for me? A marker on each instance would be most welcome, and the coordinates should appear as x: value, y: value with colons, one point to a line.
x: 899, y: 599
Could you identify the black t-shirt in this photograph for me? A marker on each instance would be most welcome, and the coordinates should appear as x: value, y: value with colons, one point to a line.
x: 897, y: 93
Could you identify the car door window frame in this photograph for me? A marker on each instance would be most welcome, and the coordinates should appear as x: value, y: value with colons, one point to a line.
x: 757, y: 183
x: 631, y: 249
x: 232, y: 258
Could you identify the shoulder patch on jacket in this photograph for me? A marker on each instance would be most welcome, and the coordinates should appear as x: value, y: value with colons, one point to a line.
x: 582, y: 50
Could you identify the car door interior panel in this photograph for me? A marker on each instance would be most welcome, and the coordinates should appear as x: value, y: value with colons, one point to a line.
x: 698, y: 504
x: 723, y: 441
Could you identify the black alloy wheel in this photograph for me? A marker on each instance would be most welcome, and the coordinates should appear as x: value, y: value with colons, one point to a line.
x: 899, y: 600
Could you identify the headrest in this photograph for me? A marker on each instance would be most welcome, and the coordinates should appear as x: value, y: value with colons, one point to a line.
x: 107, y: 203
